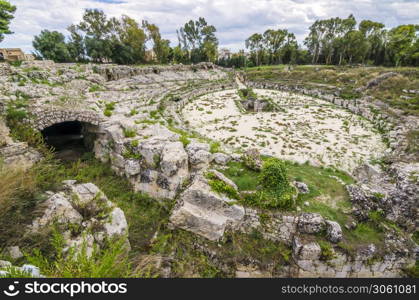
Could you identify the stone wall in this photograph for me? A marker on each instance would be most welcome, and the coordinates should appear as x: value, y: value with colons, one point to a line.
x: 116, y: 72
x: 44, y: 117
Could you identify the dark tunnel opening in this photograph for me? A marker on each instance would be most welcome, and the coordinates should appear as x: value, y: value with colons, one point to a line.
x: 69, y: 140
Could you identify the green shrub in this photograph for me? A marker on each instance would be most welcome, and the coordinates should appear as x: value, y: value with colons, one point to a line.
x: 107, y: 113
x: 95, y: 88
x: 154, y: 114
x: 221, y: 187
x: 247, y: 93
x: 110, y: 262
x: 327, y: 251
x: 184, y: 140
x: 275, y: 190
x: 129, y: 132
x: 16, y: 63
x: 133, y: 112
x: 273, y: 175
x: 215, y: 147
x: 110, y: 106
x: 128, y: 154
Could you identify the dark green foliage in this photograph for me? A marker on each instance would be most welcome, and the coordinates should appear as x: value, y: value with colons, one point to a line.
x: 109, y: 262
x: 247, y: 93
x: 198, y: 38
x: 327, y: 250
x: 415, y: 237
x: 243, y: 177
x: 221, y: 187
x: 6, y: 15
x: 275, y: 190
x: 51, y: 45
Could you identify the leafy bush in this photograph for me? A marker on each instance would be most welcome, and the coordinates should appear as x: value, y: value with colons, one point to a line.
x: 275, y: 192
x: 107, y: 113
x: 129, y: 132
x: 273, y: 175
x: 221, y: 187
x: 247, y: 93
x: 133, y: 112
x: 110, y: 106
x: 215, y: 147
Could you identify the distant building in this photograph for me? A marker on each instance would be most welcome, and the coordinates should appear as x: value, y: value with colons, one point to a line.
x: 14, y: 54
x: 224, y: 54
x: 150, y: 56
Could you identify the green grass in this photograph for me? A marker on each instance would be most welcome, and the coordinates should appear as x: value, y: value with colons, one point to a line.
x: 129, y: 132
x: 320, y: 181
x: 111, y: 261
x: 144, y: 214
x: 215, y: 147
x: 243, y: 177
x: 95, y: 88
x: 363, y: 234
x: 348, y: 79
x: 221, y: 187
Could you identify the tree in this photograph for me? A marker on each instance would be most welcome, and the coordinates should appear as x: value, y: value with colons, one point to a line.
x: 375, y: 36
x: 313, y: 40
x: 199, y: 40
x: 255, y: 44
x: 129, y: 41
x: 51, y: 45
x: 357, y: 46
x: 97, y: 29
x: 402, y: 43
x: 161, y: 47
x: 6, y: 15
x: 76, y: 45
x: 274, y: 40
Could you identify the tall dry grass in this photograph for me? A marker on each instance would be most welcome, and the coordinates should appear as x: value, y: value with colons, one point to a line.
x: 13, y: 182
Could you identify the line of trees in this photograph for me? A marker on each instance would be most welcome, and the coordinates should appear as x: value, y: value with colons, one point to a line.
x: 6, y: 15
x: 123, y: 40
x: 338, y: 41
x: 334, y: 41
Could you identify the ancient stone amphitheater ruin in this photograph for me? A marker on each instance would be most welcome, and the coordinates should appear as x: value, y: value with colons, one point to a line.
x: 165, y: 128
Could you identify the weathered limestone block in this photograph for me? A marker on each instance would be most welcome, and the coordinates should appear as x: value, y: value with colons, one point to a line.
x: 305, y: 251
x: 221, y: 158
x: 334, y: 231
x: 132, y: 167
x: 151, y: 151
x: 199, y: 155
x: 204, y: 212
x: 174, y: 160
x: 86, y: 207
x: 252, y: 159
x: 223, y: 178
x: 310, y: 223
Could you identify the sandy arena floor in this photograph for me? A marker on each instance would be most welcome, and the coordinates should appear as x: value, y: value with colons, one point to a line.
x: 305, y: 128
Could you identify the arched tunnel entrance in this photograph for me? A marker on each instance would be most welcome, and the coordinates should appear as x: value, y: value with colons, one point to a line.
x: 71, y: 139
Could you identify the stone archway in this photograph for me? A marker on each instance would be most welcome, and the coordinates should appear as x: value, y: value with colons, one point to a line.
x: 69, y: 133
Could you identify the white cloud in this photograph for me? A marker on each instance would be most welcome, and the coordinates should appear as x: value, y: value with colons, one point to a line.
x: 235, y: 20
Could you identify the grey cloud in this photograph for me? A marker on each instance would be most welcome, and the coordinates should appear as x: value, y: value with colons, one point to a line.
x: 235, y: 19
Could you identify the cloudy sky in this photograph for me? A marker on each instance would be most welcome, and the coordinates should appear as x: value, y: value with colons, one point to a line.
x: 235, y: 20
